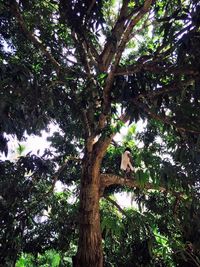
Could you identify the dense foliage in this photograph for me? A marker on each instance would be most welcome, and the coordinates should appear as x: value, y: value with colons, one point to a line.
x: 90, y: 67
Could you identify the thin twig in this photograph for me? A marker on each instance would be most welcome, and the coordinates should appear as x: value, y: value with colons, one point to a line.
x: 115, y: 204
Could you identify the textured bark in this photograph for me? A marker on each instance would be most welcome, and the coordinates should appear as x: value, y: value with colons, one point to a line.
x: 108, y: 179
x: 90, y: 252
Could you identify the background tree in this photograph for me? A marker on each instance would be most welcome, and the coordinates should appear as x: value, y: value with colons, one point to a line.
x: 91, y: 66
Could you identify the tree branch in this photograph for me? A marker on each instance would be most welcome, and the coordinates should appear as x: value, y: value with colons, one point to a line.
x: 170, y: 88
x: 56, y: 176
x: 58, y: 173
x: 165, y: 119
x: 121, y: 32
x: 91, y: 50
x: 78, y: 41
x: 116, y: 33
x: 152, y: 67
x: 112, y: 179
x: 145, y: 25
x: 34, y: 39
x: 109, y: 179
x: 172, y: 47
x: 131, y: 25
x: 81, y: 30
x: 87, y: 123
x: 104, y: 141
x: 115, y: 204
x: 117, y: 53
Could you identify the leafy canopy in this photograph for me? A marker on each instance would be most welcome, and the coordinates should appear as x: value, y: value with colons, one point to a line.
x: 82, y: 65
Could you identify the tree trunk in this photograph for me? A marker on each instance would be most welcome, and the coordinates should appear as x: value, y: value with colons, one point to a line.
x: 90, y: 253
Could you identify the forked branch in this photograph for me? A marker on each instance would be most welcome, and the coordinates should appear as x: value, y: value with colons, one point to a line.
x: 116, y: 55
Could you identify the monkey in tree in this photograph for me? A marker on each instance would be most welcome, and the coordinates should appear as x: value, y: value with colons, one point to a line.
x: 126, y: 160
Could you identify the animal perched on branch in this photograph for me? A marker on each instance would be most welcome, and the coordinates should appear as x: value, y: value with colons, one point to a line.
x: 126, y: 160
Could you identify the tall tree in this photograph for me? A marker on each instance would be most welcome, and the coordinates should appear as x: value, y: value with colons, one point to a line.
x: 91, y: 66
